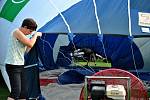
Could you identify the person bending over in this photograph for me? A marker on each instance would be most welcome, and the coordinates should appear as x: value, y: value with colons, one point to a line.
x: 17, y: 46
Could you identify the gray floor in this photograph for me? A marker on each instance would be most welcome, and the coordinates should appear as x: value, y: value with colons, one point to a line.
x: 54, y: 91
x: 61, y: 92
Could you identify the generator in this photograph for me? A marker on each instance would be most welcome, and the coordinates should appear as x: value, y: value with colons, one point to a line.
x: 100, y: 91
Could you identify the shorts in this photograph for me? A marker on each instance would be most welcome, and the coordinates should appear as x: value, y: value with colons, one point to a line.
x: 18, y: 80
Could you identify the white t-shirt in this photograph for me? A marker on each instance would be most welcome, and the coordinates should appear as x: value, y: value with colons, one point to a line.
x: 15, y: 51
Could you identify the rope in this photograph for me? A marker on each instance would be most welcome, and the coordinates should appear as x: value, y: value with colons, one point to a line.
x: 97, y: 19
x: 61, y: 16
x: 131, y: 37
x: 129, y: 16
x: 99, y: 29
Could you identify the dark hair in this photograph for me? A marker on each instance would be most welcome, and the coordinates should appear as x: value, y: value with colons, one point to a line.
x: 29, y: 23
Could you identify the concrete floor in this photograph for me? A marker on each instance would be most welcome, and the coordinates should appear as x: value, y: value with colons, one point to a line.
x: 54, y: 91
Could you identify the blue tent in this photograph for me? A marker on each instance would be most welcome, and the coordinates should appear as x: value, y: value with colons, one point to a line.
x: 120, y: 28
x: 113, y: 17
x: 113, y: 29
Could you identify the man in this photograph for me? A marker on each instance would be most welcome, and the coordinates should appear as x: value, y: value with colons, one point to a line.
x: 17, y: 46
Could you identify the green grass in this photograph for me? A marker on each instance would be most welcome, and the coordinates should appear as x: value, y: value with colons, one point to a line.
x: 99, y: 63
x: 4, y: 92
x: 92, y: 64
x: 149, y: 94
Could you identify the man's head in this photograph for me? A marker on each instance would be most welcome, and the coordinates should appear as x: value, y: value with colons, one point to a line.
x: 29, y: 23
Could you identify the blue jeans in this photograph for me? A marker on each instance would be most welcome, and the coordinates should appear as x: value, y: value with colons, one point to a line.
x: 18, y: 80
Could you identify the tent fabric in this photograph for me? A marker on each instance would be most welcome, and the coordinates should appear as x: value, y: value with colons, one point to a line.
x: 73, y: 76
x: 118, y: 50
x: 81, y: 19
x: 33, y: 82
x: 113, y: 16
x: 32, y: 72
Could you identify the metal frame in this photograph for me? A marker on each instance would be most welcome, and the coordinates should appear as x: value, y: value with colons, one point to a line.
x: 106, y: 77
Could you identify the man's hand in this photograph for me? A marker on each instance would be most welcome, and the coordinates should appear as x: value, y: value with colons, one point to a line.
x: 39, y: 34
